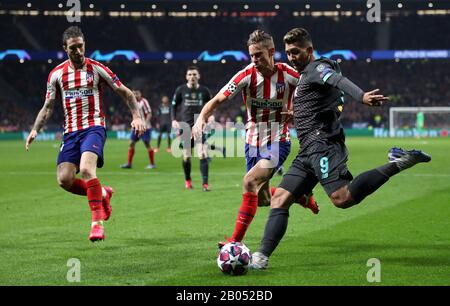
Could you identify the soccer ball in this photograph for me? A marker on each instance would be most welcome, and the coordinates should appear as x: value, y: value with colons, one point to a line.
x: 234, y: 258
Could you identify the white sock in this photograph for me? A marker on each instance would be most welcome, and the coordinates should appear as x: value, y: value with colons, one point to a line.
x: 97, y: 222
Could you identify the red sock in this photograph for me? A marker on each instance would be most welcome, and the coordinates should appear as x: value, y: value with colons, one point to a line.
x: 272, y: 190
x: 94, y: 195
x: 79, y: 187
x: 151, y: 156
x: 245, y: 216
x: 130, y: 156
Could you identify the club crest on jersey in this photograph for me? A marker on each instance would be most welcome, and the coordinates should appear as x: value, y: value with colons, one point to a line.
x: 320, y: 67
x: 280, y: 87
x: 89, y: 77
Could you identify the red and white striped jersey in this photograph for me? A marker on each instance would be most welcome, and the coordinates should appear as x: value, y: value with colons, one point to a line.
x: 81, y: 93
x: 265, y: 99
x: 144, y: 108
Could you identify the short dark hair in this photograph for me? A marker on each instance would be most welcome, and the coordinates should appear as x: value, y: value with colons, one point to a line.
x: 71, y: 32
x: 192, y: 67
x: 299, y: 36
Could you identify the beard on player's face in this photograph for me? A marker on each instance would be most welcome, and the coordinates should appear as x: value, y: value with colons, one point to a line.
x: 299, y: 56
x: 77, y: 58
x: 75, y: 50
x: 301, y: 61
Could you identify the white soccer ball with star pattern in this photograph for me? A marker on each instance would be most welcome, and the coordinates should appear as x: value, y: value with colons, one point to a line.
x: 234, y: 258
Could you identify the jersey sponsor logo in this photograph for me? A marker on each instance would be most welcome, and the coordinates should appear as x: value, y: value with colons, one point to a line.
x: 280, y: 87
x: 78, y: 93
x: 266, y: 103
x: 190, y: 102
x: 165, y: 110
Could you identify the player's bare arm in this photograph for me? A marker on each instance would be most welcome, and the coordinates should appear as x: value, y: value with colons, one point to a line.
x: 207, y: 111
x: 137, y: 123
x: 44, y: 114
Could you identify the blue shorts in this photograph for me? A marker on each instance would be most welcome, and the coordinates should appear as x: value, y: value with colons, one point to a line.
x: 146, y: 137
x: 276, y: 152
x: 88, y: 140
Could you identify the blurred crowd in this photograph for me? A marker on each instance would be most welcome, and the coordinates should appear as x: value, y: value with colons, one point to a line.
x: 407, y: 82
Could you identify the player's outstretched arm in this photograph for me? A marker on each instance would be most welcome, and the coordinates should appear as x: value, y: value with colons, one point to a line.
x: 44, y: 114
x: 207, y: 111
x: 337, y: 80
x: 128, y: 97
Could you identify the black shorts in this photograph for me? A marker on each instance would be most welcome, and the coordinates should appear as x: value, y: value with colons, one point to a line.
x: 325, y: 162
x: 165, y: 128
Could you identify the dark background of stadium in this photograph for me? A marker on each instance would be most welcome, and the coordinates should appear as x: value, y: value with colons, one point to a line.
x: 407, y: 82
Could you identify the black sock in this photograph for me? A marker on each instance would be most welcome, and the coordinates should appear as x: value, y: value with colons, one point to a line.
x: 390, y: 169
x: 187, y: 169
x: 168, y: 140
x: 204, y: 170
x: 159, y: 140
x: 275, y: 229
x: 367, y: 182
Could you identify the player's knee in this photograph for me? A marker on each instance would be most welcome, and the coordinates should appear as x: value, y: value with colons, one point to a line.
x: 278, y: 201
x: 341, y: 199
x: 87, y: 173
x: 65, y: 181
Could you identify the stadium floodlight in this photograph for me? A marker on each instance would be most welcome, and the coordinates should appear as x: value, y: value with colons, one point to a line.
x: 418, y: 121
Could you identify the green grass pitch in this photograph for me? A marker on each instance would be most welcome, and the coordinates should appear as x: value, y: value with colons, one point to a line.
x: 161, y: 234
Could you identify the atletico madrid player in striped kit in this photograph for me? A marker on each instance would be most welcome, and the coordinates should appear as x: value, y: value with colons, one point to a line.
x: 79, y: 83
x: 267, y: 88
x: 146, y: 113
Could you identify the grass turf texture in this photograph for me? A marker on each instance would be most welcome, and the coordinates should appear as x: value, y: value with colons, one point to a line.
x: 162, y: 234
